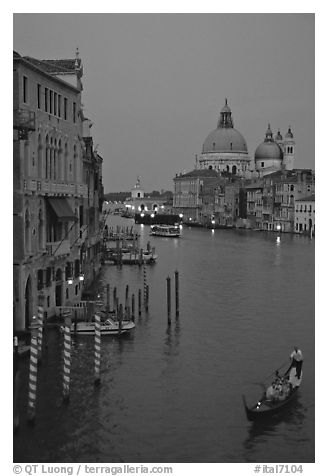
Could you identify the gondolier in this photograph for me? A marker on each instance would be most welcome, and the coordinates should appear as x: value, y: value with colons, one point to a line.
x: 296, y: 358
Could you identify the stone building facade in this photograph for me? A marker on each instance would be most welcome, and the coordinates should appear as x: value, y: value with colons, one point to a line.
x: 51, y: 198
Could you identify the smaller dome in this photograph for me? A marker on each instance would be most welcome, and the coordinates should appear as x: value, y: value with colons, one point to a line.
x: 268, y: 151
x: 289, y: 134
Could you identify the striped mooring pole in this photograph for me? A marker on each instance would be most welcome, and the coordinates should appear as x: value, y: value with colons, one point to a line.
x: 144, y: 282
x: 67, y: 357
x: 40, y: 330
x: 97, y: 349
x: 33, y: 373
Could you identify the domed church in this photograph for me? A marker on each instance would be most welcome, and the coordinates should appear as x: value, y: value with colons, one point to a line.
x: 225, y: 149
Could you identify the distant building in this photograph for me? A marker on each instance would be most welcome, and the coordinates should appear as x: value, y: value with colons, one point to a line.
x: 305, y: 215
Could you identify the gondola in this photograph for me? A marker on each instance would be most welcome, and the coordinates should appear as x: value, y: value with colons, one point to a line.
x: 267, y: 407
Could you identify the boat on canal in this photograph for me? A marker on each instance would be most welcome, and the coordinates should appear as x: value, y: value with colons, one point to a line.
x: 172, y: 231
x: 277, y: 396
x: 107, y: 327
x: 131, y: 256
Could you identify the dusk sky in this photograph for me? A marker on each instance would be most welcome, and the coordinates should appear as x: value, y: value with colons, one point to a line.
x: 154, y: 84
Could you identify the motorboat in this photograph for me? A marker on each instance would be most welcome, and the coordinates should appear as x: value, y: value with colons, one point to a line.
x: 172, y: 231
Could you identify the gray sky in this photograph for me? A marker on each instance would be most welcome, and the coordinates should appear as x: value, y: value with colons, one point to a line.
x: 154, y: 84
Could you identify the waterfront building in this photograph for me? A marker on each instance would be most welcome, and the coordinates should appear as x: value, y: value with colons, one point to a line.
x: 140, y: 203
x: 225, y: 149
x: 189, y: 189
x: 51, y: 199
x: 305, y: 215
x: 91, y: 236
x: 270, y: 200
x: 254, y: 193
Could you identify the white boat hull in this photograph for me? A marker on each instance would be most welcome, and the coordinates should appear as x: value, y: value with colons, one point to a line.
x: 109, y: 327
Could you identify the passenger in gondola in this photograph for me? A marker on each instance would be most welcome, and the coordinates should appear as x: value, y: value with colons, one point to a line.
x: 296, y: 358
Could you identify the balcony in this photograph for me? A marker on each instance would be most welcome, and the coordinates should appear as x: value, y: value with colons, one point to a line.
x: 24, y: 120
x: 58, y: 248
x: 49, y: 187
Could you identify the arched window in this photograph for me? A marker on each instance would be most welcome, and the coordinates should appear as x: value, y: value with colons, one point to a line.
x: 47, y: 157
x: 228, y: 168
x: 40, y: 229
x: 234, y: 169
x: 40, y: 174
x: 60, y: 159
x: 55, y: 175
x: 74, y: 162
x: 66, y: 163
x: 27, y: 232
x: 51, y: 171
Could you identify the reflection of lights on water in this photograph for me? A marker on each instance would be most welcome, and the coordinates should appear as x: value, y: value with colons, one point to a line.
x: 213, y: 231
x: 278, y: 239
x: 142, y: 225
x: 180, y: 226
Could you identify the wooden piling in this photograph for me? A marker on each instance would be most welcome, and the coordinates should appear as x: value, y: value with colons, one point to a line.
x: 114, y: 298
x: 168, y: 296
x: 120, y: 319
x: 132, y: 308
x: 97, y: 348
x: 126, y: 296
x: 33, y: 374
x: 139, y: 302
x: 67, y: 358
x: 147, y: 298
x: 108, y: 298
x: 144, y: 282
x: 177, y: 311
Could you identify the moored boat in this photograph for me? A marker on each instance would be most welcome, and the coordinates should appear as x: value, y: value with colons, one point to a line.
x: 172, y: 231
x: 278, y: 395
x: 108, y: 327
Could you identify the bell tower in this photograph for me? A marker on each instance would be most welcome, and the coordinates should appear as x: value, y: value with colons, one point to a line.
x: 289, y: 150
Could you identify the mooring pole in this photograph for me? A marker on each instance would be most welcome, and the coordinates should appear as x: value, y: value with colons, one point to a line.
x: 67, y: 358
x: 97, y: 348
x: 33, y: 374
x: 40, y: 329
x: 108, y: 298
x: 120, y: 319
x: 176, y: 294
x: 168, y: 295
x: 132, y: 308
x: 139, y: 302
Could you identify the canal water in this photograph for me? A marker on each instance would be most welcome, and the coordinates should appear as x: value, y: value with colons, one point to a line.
x: 175, y: 394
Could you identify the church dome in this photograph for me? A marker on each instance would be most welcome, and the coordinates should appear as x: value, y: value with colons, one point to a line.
x: 268, y: 150
x: 225, y: 138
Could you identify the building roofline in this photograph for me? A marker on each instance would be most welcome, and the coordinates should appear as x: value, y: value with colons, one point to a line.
x: 20, y: 59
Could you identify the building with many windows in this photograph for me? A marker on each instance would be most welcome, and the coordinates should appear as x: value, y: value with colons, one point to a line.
x: 305, y: 215
x: 51, y: 196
